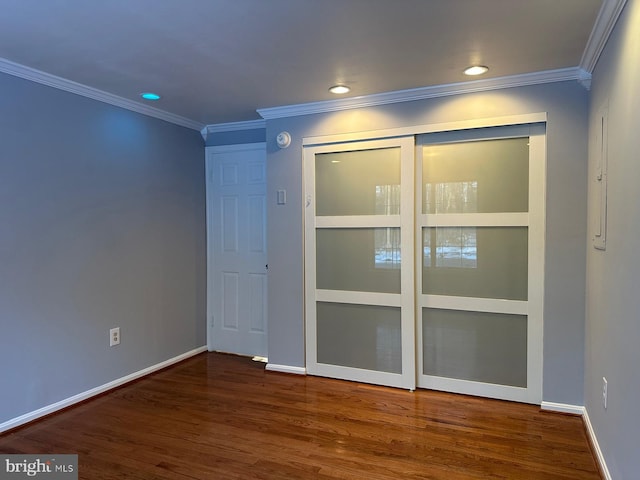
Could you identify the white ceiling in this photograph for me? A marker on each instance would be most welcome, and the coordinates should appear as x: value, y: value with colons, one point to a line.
x: 217, y: 61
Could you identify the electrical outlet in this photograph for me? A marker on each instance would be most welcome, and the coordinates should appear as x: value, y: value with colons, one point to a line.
x: 604, y: 392
x: 114, y: 336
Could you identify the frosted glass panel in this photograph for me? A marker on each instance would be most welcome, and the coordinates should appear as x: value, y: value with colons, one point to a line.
x: 359, y: 336
x: 486, y: 262
x: 358, y: 259
x: 482, y: 347
x: 365, y: 182
x: 486, y: 176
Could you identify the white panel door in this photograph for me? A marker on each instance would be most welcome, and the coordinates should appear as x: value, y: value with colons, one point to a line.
x: 236, y: 249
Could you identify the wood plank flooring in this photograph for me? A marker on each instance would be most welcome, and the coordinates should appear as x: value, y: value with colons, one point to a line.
x: 218, y: 416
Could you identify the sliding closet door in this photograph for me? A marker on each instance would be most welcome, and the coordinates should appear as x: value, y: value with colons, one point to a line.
x: 359, y: 290
x: 479, y: 262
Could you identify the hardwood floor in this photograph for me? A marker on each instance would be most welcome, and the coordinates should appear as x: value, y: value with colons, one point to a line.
x: 219, y: 416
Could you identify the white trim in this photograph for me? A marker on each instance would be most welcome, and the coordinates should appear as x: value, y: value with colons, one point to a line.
x: 359, y: 298
x: 596, y: 446
x: 361, y: 375
x: 272, y: 367
x: 399, y: 96
x: 468, y: 132
x: 606, y: 21
x: 80, y: 397
x: 585, y: 79
x: 582, y: 411
x: 232, y: 127
x: 537, y: 262
x: 359, y: 221
x: 507, y: 120
x: 511, y: 219
x: 479, y: 389
x: 562, y: 408
x: 475, y: 304
x: 38, y: 76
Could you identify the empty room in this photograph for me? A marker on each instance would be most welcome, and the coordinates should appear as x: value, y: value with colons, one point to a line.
x: 303, y: 239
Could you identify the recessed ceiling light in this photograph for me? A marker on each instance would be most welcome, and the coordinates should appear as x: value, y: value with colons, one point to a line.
x: 150, y: 96
x: 339, y: 89
x: 476, y: 70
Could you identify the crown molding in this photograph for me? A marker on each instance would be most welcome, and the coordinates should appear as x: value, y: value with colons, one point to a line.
x: 605, y: 22
x: 232, y: 127
x: 38, y: 76
x: 584, y: 78
x: 399, y: 96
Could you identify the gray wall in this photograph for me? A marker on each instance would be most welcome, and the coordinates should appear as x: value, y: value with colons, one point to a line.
x: 566, y: 104
x: 101, y: 224
x: 235, y: 137
x: 613, y: 302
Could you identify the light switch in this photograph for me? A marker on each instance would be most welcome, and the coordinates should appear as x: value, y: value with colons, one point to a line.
x: 282, y: 197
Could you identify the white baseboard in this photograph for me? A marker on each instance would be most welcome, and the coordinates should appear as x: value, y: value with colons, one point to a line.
x: 596, y: 446
x: 286, y: 369
x: 582, y: 411
x: 562, y: 408
x: 67, y: 402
